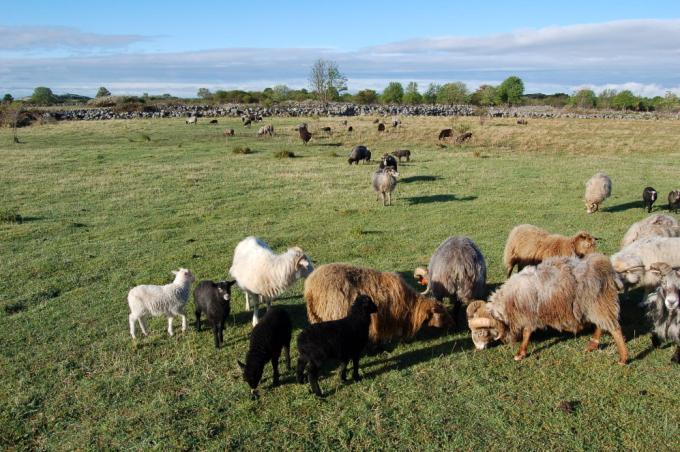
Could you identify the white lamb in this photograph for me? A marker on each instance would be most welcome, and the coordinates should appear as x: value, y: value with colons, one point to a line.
x: 263, y: 275
x: 168, y: 300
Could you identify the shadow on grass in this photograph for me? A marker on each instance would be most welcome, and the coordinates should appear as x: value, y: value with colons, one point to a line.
x: 329, y: 144
x: 413, y: 200
x: 297, y: 312
x: 623, y: 207
x: 408, y: 180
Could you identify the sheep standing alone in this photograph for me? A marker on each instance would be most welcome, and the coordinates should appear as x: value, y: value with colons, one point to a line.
x: 657, y: 225
x: 214, y: 300
x: 267, y: 339
x: 564, y: 293
x: 342, y: 339
x: 457, y: 271
x: 266, y: 130
x: 633, y: 262
x: 663, y: 307
x: 648, y: 198
x: 598, y: 188
x: 399, y: 153
x: 191, y: 120
x: 674, y: 201
x: 384, y: 182
x: 228, y: 132
x: 330, y: 289
x: 168, y: 300
x: 445, y: 133
x: 529, y: 245
x: 381, y: 127
x: 358, y: 153
x: 261, y: 274
x: 304, y: 134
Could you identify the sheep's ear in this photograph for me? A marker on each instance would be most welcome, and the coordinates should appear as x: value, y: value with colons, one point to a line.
x: 241, y: 365
x: 660, y: 268
x: 230, y: 283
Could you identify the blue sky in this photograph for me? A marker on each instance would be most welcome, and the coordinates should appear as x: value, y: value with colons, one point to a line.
x: 176, y: 47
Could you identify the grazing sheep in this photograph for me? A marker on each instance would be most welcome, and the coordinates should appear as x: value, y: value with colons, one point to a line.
x: 445, y: 133
x: 228, y: 132
x: 529, y: 245
x: 456, y: 271
x: 522, y: 122
x: 266, y: 130
x: 399, y: 153
x: 350, y: 129
x: 376, y: 121
x: 384, y: 182
x: 674, y: 201
x: 359, y: 153
x: 402, y: 312
x: 564, y: 293
x: 387, y: 160
x: 633, y: 262
x: 305, y: 135
x: 213, y: 299
x: 326, y: 130
x: 192, y: 120
x: 342, y: 339
x: 598, y: 188
x: 463, y: 137
x: 213, y: 121
x: 267, y: 339
x: 168, y: 300
x: 247, y: 122
x: 259, y: 272
x: 663, y: 307
x: 396, y: 122
x: 381, y: 127
x: 648, y: 198
x: 657, y: 225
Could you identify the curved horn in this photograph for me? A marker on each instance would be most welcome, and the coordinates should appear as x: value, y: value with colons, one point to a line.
x: 481, y: 322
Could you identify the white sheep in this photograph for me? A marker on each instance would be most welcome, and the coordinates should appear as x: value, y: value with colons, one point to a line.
x: 263, y: 275
x: 633, y: 262
x: 168, y: 300
x: 598, y: 188
x: 654, y: 225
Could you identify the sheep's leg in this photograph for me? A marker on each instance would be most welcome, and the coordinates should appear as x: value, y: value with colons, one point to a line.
x: 221, y: 332
x: 355, y: 368
x: 216, y: 334
x: 184, y: 322
x: 300, y: 371
x: 522, y: 352
x: 131, y: 319
x: 170, y: 325
x: 198, y: 320
x: 275, y: 367
x: 286, y: 351
x: 313, y: 376
x: 656, y: 340
x: 343, y: 370
x: 620, y: 346
x: 389, y: 198
x: 255, y: 315
x: 247, y: 302
x: 676, y: 355
x: 142, y: 326
x: 594, y: 342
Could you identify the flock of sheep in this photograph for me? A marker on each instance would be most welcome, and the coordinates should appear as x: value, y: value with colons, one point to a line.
x: 561, y: 282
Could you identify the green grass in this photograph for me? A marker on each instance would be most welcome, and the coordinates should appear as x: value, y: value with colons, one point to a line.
x: 105, y: 209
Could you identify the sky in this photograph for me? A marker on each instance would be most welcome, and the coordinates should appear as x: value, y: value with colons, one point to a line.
x: 176, y: 47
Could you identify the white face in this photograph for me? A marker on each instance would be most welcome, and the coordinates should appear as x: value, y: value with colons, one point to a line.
x: 482, y: 337
x: 185, y: 274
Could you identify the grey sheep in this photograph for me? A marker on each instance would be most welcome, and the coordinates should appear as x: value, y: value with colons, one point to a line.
x: 384, y: 183
x: 663, y: 307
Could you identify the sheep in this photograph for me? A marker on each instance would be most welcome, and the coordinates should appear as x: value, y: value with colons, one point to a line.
x: 564, y: 293
x: 399, y: 153
x: 326, y: 130
x: 674, y: 201
x: 445, y: 133
x: 381, y: 127
x: 192, y: 120
x: 213, y: 121
x: 359, y: 152
x: 522, y: 122
x: 342, y: 339
x: 598, y: 188
x: 402, y: 312
x: 633, y: 262
x: 168, y: 300
x: 267, y: 339
x: 213, y: 299
x: 228, y: 132
x: 652, y: 226
x: 457, y: 271
x: 663, y: 307
x: 305, y: 135
x: 387, y: 160
x: 648, y: 198
x: 396, y: 122
x: 529, y: 245
x: 259, y: 272
x: 266, y: 130
x: 247, y: 122
x: 463, y: 137
x: 350, y: 129
x: 384, y: 182
x: 343, y: 122
x: 376, y: 121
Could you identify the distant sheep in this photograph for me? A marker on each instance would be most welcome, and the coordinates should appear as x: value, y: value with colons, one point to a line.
x: 247, y: 122
x: 342, y: 339
x: 656, y: 225
x: 399, y: 153
x: 169, y: 300
x: 598, y: 188
x: 214, y: 300
x: 649, y: 196
x: 228, y: 132
x: 304, y: 134
x: 192, y: 120
x: 359, y: 152
x: 663, y: 307
x: 445, y: 133
x: 263, y: 275
x: 522, y: 122
x: 674, y: 201
x: 384, y: 182
x: 213, y: 121
x: 530, y: 245
x: 633, y: 262
x: 266, y: 130
x: 402, y: 312
x: 381, y: 127
x: 350, y: 129
x: 564, y: 293
x: 396, y: 122
x: 326, y: 130
x: 463, y: 137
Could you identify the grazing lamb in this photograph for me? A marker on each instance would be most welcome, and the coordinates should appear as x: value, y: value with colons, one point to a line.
x: 456, y: 271
x: 261, y: 274
x: 266, y: 130
x: 657, y: 225
x: 342, y: 339
x: 463, y: 137
x: 445, y: 133
x: 674, y: 201
x: 633, y: 262
x: 305, y: 135
x: 213, y: 299
x: 192, y: 120
x: 381, y: 127
x: 663, y: 307
x: 529, y: 245
x: 384, y: 182
x: 359, y: 153
x: 168, y: 300
x: 399, y: 153
x: 564, y: 293
x: 330, y: 289
x: 648, y: 198
x: 387, y: 160
x: 213, y: 121
x: 228, y: 132
x: 598, y: 188
x: 267, y: 340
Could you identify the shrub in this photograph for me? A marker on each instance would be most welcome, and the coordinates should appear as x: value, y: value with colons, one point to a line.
x: 241, y: 150
x: 10, y: 216
x: 103, y: 92
x: 43, y: 96
x: 452, y: 93
x: 284, y: 154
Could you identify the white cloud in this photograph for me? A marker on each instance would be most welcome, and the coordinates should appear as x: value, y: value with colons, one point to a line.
x: 45, y: 38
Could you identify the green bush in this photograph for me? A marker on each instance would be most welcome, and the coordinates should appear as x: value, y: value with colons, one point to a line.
x: 241, y: 150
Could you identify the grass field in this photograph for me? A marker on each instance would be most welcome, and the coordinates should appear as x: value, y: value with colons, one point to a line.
x: 109, y: 205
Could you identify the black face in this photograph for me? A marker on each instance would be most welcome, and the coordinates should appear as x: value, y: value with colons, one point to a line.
x: 366, y: 303
x: 224, y: 287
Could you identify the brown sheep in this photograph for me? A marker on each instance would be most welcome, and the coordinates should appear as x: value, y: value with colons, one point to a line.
x: 522, y: 122
x: 381, y: 127
x: 331, y: 289
x: 305, y: 135
x: 463, y: 137
x: 529, y: 245
x: 445, y: 133
x: 228, y: 132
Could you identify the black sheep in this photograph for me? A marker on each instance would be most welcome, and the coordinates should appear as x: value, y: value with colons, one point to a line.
x: 648, y: 198
x: 381, y: 127
x: 359, y: 153
x: 342, y: 340
x: 269, y: 336
x: 399, y: 153
x: 213, y: 299
x: 445, y: 133
x: 388, y: 160
x: 674, y: 200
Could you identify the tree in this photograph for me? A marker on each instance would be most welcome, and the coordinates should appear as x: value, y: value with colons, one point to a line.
x: 511, y: 90
x: 43, y: 96
x: 486, y: 95
x: 393, y: 94
x: 430, y: 95
x: 8, y: 98
x: 280, y: 93
x: 583, y: 98
x: 366, y: 97
x: 606, y: 98
x: 204, y: 93
x: 452, y: 93
x: 669, y: 102
x: 625, y: 100
x: 102, y: 92
x: 326, y: 80
x: 411, y: 95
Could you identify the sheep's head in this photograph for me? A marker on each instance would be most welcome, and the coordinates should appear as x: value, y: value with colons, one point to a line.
x: 484, y: 328
x: 252, y: 376
x: 184, y: 274
x: 420, y: 274
x: 439, y: 317
x: 591, y: 207
x: 365, y: 304
x: 669, y: 286
x: 224, y: 289
x: 303, y: 264
x: 630, y: 268
x: 584, y: 243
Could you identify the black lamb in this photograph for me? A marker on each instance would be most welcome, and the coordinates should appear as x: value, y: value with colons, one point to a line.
x: 213, y: 299
x: 270, y: 335
x: 663, y: 308
x: 648, y: 198
x: 388, y: 160
x: 342, y: 340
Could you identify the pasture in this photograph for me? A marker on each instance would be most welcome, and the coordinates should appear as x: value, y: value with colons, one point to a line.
x: 109, y: 205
